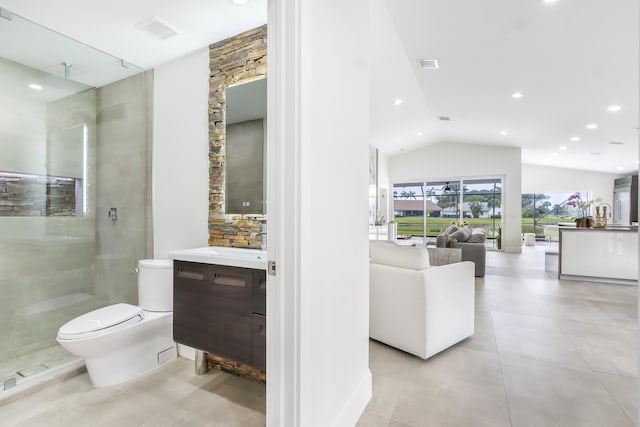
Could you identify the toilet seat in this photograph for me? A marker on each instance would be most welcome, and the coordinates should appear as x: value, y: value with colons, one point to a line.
x: 101, y: 321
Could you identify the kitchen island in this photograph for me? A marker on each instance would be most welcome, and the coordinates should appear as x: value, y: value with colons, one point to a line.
x: 599, y: 254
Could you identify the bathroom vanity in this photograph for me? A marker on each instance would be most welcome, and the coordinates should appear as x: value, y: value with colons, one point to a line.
x: 220, y: 305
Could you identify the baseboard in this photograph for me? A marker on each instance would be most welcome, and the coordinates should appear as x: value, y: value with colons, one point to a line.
x: 186, y: 352
x: 357, y: 402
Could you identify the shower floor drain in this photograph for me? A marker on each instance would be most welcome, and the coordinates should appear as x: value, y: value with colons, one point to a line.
x: 10, y: 383
x: 32, y: 370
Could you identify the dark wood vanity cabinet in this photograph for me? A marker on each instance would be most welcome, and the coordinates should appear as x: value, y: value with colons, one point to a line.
x: 214, y: 310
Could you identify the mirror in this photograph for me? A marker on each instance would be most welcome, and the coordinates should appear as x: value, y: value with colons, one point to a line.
x: 246, y: 136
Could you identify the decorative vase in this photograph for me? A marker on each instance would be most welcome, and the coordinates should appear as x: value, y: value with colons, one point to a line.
x: 581, y: 222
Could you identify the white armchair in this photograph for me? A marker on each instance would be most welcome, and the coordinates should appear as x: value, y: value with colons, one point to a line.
x: 417, y: 308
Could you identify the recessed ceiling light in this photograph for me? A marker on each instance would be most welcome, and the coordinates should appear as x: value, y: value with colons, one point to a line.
x: 562, y: 148
x: 614, y: 108
x: 428, y: 64
x: 637, y: 162
x: 240, y: 2
x: 517, y: 95
x: 554, y: 154
x: 547, y: 160
x: 419, y: 133
x: 592, y: 126
x: 549, y: 1
x: 397, y: 101
x: 620, y: 168
x: 575, y: 138
x: 35, y: 86
x: 503, y: 132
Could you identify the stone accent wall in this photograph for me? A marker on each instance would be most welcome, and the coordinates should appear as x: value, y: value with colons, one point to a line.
x: 25, y: 195
x: 239, y: 59
x: 236, y: 368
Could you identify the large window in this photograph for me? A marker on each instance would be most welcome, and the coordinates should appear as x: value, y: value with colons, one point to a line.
x: 543, y: 212
x: 408, y: 208
x: 423, y: 210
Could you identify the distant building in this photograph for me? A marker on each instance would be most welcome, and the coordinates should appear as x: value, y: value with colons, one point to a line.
x: 409, y: 207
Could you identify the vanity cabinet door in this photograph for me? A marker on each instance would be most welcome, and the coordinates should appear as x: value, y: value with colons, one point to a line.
x: 190, y: 289
x: 260, y: 292
x: 260, y: 342
x: 230, y: 313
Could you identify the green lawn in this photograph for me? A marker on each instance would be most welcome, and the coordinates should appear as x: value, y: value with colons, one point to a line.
x: 413, y: 225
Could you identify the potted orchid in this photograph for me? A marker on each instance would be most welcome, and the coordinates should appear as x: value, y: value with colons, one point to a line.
x: 583, y: 206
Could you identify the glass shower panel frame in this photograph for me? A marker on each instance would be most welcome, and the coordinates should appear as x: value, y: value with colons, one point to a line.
x: 54, y: 268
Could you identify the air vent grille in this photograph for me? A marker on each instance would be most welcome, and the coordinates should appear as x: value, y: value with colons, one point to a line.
x: 428, y: 64
x: 158, y: 28
x: 444, y: 118
x: 616, y: 143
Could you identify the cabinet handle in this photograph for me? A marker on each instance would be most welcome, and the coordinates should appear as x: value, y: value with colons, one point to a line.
x: 222, y: 279
x: 191, y: 274
x: 263, y: 284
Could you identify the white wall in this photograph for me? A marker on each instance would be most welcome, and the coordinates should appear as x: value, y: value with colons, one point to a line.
x: 452, y: 160
x: 180, y: 154
x: 318, y: 326
x: 547, y: 179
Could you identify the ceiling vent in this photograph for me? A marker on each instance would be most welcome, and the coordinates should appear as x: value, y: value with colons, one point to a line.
x: 444, y: 118
x: 616, y: 143
x: 158, y: 28
x: 428, y: 64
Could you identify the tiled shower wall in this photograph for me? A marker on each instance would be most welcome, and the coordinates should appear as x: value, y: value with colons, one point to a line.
x: 53, y: 269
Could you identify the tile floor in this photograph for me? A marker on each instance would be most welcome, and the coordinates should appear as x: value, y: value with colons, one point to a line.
x: 545, y: 353
x: 173, y: 396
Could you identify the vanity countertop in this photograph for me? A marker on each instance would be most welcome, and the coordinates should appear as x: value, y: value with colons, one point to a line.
x: 234, y: 257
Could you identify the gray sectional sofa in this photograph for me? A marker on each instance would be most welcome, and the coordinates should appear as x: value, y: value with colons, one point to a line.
x: 472, y: 243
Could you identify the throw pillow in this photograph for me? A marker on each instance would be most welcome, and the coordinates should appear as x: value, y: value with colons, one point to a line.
x: 477, y: 237
x: 451, y: 229
x: 462, y: 234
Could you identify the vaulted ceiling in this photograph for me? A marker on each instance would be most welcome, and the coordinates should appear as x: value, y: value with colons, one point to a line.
x: 570, y: 60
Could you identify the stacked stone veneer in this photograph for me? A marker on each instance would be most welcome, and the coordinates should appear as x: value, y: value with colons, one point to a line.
x: 236, y: 60
x: 26, y: 195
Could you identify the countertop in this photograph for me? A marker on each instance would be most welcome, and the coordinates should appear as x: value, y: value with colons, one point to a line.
x: 633, y: 228
x: 234, y: 257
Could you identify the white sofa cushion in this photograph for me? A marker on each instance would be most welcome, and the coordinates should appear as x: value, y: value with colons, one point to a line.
x: 410, y: 257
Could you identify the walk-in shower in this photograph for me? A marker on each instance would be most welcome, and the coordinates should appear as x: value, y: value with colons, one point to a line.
x: 74, y: 143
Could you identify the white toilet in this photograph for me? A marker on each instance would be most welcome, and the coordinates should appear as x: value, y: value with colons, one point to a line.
x: 122, y: 341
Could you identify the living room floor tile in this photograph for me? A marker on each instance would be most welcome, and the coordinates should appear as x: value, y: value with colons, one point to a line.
x: 536, y: 338
x: 549, y: 395
x: 624, y: 391
x: 605, y: 348
x: 484, y: 337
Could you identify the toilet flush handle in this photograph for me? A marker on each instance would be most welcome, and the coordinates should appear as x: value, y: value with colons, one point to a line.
x: 136, y: 269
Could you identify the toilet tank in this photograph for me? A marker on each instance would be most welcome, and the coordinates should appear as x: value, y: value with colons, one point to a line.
x: 155, y: 284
